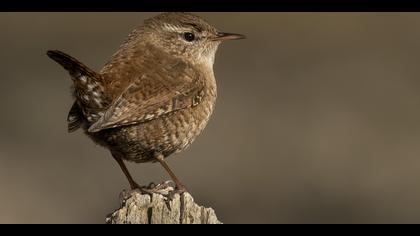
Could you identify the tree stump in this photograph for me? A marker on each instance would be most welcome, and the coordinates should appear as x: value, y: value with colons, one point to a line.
x: 156, y: 208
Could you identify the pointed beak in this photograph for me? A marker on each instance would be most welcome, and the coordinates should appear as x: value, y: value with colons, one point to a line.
x: 228, y: 36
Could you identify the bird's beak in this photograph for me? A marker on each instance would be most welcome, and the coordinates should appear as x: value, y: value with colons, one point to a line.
x: 228, y: 36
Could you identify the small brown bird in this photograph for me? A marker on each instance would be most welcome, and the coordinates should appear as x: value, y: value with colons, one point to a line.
x: 154, y: 96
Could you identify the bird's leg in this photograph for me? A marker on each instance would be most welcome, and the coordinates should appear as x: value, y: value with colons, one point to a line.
x: 133, y: 184
x: 179, y: 186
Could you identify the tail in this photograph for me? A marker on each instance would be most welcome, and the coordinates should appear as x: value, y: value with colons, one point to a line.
x: 71, y: 64
x: 88, y: 90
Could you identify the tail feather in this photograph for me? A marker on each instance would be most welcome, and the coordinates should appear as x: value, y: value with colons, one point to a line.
x: 88, y: 90
x: 75, y: 118
x: 71, y: 64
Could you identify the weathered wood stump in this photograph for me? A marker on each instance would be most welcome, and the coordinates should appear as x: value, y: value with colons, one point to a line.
x: 156, y: 208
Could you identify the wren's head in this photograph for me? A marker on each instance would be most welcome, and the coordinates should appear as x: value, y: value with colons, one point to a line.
x: 186, y: 35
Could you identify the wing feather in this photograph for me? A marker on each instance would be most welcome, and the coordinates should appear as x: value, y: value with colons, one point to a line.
x: 153, y: 95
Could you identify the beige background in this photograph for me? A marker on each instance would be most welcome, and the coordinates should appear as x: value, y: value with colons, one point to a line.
x: 317, y: 120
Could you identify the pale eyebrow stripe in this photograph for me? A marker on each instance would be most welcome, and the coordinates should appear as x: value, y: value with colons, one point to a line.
x: 174, y: 28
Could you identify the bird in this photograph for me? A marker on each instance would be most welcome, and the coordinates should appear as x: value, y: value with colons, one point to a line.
x: 154, y: 96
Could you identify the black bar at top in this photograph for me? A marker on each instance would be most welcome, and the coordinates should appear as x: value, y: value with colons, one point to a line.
x: 211, y: 5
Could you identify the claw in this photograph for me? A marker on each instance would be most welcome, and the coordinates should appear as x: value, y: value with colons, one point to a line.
x: 141, y: 189
x: 167, y: 189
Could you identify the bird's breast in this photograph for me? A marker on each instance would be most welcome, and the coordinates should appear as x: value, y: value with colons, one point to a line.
x: 167, y: 134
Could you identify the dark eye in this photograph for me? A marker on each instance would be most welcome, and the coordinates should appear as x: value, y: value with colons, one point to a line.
x: 189, y: 37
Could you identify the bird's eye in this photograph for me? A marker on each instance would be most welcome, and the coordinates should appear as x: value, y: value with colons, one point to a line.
x: 189, y: 37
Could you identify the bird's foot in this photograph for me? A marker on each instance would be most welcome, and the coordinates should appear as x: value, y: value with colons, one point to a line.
x: 170, y: 188
x: 134, y: 187
x: 167, y: 189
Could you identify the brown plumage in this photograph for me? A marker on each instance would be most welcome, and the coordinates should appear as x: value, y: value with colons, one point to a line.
x: 154, y: 96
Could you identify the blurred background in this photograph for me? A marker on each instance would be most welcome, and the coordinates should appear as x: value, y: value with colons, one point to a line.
x: 317, y: 120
